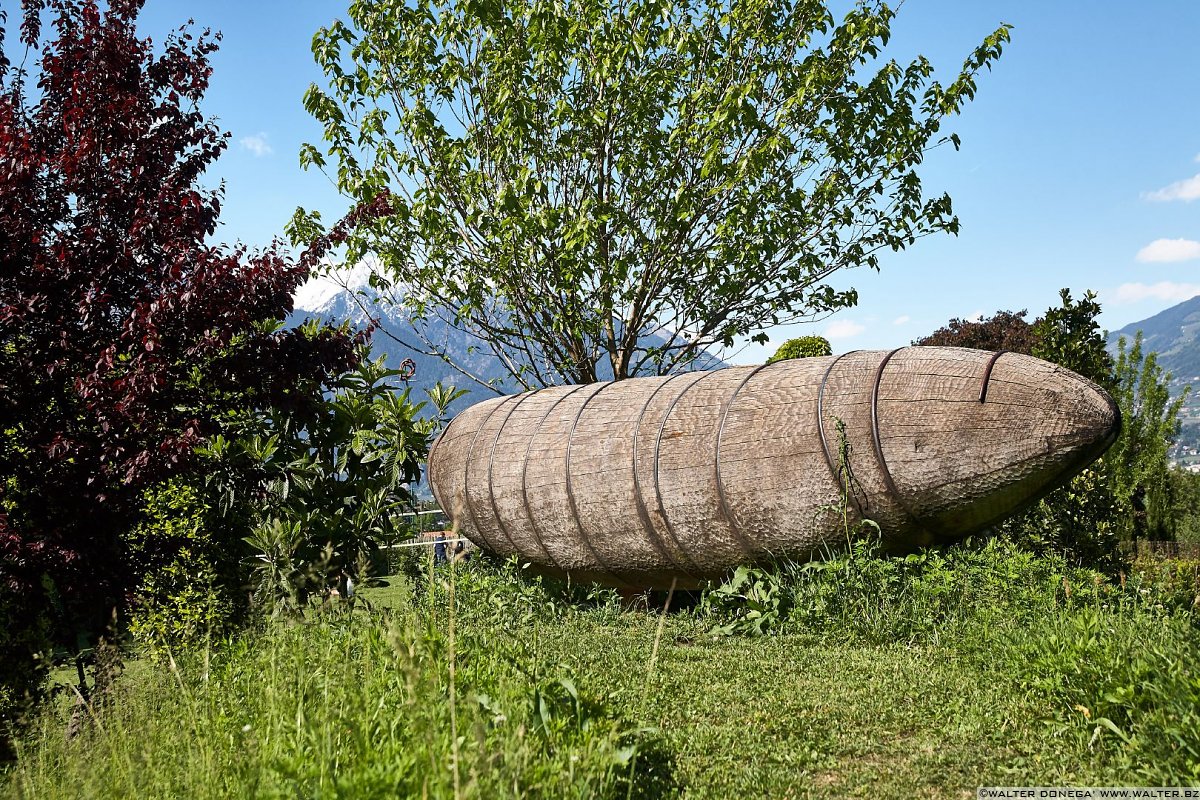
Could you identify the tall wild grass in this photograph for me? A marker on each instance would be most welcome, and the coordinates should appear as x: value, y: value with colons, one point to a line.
x: 449, y: 691
x: 405, y: 703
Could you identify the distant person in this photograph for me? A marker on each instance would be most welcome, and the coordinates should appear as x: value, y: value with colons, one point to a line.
x: 439, y: 550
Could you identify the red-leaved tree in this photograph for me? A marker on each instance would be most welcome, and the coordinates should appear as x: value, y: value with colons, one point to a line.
x: 1007, y: 330
x: 125, y: 336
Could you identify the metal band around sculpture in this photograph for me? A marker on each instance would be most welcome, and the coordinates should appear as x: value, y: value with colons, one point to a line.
x: 833, y: 471
x: 722, y: 500
x: 436, y: 441
x: 643, y: 512
x: 657, y: 452
x: 491, y: 460
x: 987, y: 375
x: 525, y: 473
x: 587, y: 542
x: 889, y: 482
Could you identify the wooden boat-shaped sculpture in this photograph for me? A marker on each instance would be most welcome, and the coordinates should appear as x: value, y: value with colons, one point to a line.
x: 646, y: 481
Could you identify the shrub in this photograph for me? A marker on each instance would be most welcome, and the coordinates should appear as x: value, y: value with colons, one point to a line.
x: 864, y: 596
x: 803, y: 347
x: 333, y: 482
x: 1164, y: 586
x: 25, y: 630
x: 509, y: 594
x: 192, y: 576
x: 1077, y: 522
x: 1006, y: 330
x: 753, y: 602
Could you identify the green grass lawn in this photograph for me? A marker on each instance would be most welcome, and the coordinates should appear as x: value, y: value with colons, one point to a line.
x: 554, y: 695
x: 796, y: 715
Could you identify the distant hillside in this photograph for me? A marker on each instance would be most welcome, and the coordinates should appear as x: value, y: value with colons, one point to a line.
x: 323, y: 299
x: 1175, y: 335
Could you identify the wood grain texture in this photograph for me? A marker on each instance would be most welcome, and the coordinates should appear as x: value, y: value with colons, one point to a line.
x: 644, y: 481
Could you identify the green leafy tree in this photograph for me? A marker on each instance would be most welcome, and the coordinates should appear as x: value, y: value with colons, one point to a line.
x: 1150, y: 423
x: 1184, y: 513
x: 609, y: 188
x: 1079, y: 522
x: 802, y: 347
x: 1070, y: 337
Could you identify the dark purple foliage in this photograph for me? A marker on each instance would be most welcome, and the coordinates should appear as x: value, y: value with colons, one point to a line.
x: 125, y: 338
x: 1006, y: 330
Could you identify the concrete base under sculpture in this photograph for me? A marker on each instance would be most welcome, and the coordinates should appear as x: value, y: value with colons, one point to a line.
x: 643, y: 482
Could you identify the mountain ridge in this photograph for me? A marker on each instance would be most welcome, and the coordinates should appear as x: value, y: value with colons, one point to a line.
x: 1174, y: 334
x: 340, y: 300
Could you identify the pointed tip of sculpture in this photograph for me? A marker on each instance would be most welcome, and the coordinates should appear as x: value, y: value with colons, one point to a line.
x: 1099, y: 425
x: 1055, y: 423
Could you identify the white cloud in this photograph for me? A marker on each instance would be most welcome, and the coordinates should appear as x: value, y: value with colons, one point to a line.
x: 903, y: 319
x: 1187, y: 190
x: 257, y: 144
x: 1169, y: 250
x: 1167, y: 291
x: 843, y: 329
x: 976, y: 317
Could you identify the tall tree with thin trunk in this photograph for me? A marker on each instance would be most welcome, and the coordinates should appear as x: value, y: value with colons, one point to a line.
x: 608, y: 188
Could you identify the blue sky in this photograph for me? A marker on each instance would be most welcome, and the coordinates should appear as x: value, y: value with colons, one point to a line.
x: 1080, y: 164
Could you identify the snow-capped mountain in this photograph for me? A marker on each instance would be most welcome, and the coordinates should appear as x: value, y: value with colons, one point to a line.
x: 348, y: 296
